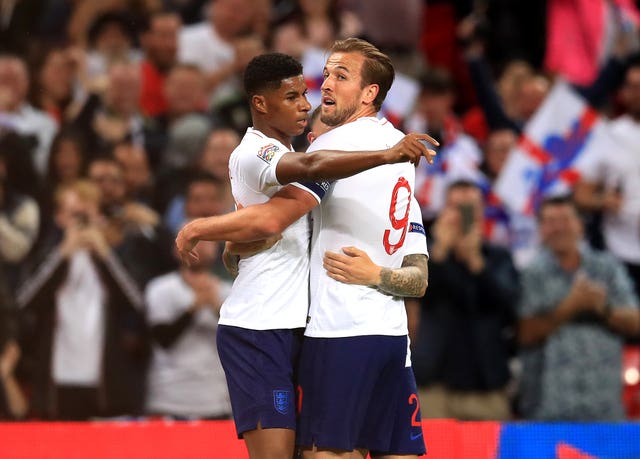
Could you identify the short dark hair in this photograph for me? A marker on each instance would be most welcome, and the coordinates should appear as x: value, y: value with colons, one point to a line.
x: 202, y: 177
x: 266, y: 72
x: 376, y: 69
x: 557, y: 200
x: 462, y: 184
x: 436, y: 81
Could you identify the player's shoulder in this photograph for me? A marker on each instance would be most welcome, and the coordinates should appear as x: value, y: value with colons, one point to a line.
x: 255, y: 143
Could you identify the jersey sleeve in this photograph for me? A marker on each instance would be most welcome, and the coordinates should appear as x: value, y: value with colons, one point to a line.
x: 416, y: 242
x: 317, y: 189
x: 257, y: 166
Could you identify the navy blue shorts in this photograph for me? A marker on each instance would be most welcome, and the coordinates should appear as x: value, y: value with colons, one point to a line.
x: 356, y: 392
x: 259, y: 366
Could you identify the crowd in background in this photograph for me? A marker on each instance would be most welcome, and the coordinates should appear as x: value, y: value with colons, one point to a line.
x: 117, y: 120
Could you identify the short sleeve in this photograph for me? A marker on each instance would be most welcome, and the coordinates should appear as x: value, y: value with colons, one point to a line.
x: 257, y: 166
x: 416, y: 239
x: 161, y: 303
x: 317, y: 189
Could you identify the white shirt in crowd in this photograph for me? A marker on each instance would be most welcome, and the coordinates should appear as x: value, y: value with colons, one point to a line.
x: 618, y: 168
x: 185, y: 379
x: 79, y: 334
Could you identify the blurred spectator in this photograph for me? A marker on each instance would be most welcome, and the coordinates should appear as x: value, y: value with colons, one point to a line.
x: 82, y: 312
x: 576, y: 306
x: 185, y: 121
x: 213, y: 159
x: 19, y: 222
x: 160, y: 45
x: 114, y: 115
x: 110, y: 39
x: 222, y: 46
x: 17, y: 114
x: 13, y: 403
x: 610, y: 183
x: 132, y: 229
x: 138, y: 179
x: 54, y: 88
x: 67, y: 163
x: 186, y: 379
x: 458, y: 157
x: 394, y: 27
x: 461, y: 354
x: 16, y: 17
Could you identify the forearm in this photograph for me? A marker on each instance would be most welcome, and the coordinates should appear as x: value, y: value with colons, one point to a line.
x: 167, y: 334
x: 328, y: 164
x: 587, y: 198
x: 16, y: 401
x: 14, y: 243
x: 625, y: 321
x: 247, y: 224
x: 534, y: 330
x: 408, y: 281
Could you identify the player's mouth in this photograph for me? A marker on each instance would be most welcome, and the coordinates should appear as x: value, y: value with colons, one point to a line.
x: 303, y: 122
x: 328, y: 101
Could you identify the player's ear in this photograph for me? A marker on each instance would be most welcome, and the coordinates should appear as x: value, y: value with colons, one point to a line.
x: 259, y: 103
x: 370, y: 93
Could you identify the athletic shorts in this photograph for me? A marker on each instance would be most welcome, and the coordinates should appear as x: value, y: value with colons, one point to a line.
x: 356, y: 393
x: 259, y: 367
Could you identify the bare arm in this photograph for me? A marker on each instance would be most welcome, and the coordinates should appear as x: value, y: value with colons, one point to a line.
x: 334, y: 165
x: 589, y: 197
x: 625, y: 321
x: 247, y: 224
x: 355, y: 267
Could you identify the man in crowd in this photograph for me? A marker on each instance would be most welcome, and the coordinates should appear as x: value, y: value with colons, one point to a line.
x: 576, y: 306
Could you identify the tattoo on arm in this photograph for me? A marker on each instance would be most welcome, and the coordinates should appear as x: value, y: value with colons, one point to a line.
x: 409, y: 280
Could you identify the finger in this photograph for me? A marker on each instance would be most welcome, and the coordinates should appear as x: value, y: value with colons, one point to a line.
x: 352, y: 251
x: 338, y: 277
x: 431, y: 155
x: 336, y: 257
x: 334, y: 265
x: 428, y: 138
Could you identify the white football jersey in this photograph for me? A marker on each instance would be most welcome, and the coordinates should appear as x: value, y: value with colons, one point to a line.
x: 372, y: 211
x: 272, y: 287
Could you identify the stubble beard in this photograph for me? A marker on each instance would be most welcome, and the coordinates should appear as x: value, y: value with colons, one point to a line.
x: 339, y: 116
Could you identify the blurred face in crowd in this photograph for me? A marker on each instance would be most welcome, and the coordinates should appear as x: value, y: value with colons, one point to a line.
x: 215, y: 157
x: 288, y: 38
x: 185, y: 90
x: 514, y: 74
x: 14, y: 83
x: 560, y: 228
x: 112, y: 40
x: 469, y: 196
x: 56, y: 76
x: 204, y: 199
x: 109, y: 178
x: 343, y: 89
x: 135, y: 167
x: 498, y: 146
x: 67, y: 161
x: 631, y: 92
x: 532, y: 93
x: 72, y: 205
x: 161, y: 42
x: 123, y: 93
x: 231, y: 18
x: 436, y: 107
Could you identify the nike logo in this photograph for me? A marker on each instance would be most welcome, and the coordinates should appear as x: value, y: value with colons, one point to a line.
x: 415, y: 437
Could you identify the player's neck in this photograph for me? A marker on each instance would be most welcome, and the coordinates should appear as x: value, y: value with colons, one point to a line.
x: 270, y: 131
x: 367, y: 111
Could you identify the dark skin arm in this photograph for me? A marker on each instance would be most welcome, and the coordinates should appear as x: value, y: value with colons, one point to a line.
x: 251, y: 223
x: 334, y: 165
x: 355, y: 267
